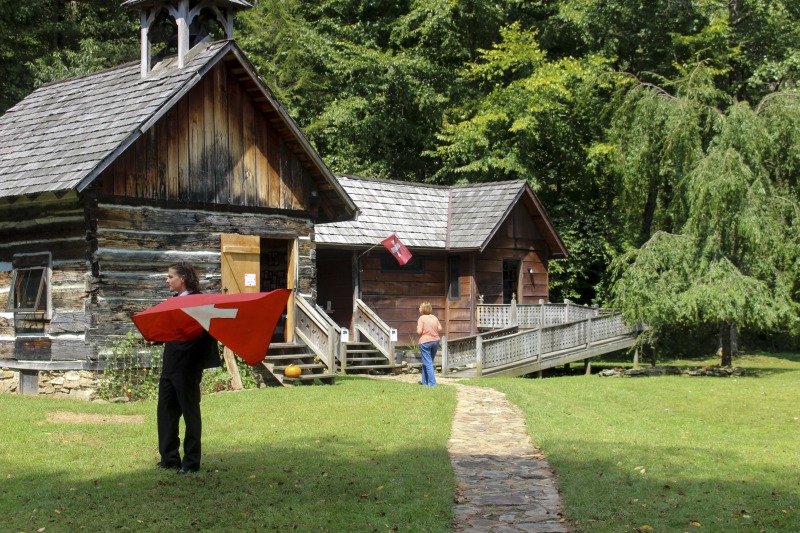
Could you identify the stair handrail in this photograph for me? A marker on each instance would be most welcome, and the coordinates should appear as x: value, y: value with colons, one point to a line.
x: 368, y: 323
x: 318, y: 331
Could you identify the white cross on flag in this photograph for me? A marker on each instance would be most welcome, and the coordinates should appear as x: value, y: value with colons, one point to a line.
x: 397, y: 249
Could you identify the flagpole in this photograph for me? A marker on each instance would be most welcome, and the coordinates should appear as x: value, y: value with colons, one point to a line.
x: 369, y: 250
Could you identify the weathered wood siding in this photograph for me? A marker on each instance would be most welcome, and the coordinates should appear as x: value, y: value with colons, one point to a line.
x: 57, y: 225
x: 136, y: 244
x: 396, y: 296
x: 518, y: 239
x: 215, y: 146
x: 459, y: 311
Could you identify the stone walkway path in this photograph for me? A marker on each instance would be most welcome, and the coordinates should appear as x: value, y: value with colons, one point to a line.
x: 504, y: 483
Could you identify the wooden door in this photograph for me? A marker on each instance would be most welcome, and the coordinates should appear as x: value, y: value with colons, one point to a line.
x: 241, y: 263
x: 241, y: 269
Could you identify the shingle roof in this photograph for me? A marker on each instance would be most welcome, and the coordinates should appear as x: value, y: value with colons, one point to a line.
x: 418, y: 214
x: 58, y: 134
x: 478, y: 210
x: 62, y: 135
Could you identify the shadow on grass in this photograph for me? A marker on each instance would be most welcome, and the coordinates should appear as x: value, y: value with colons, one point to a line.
x: 302, y: 459
x: 272, y: 488
x: 614, y: 496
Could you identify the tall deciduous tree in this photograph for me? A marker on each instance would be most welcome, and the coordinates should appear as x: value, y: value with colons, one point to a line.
x: 46, y: 40
x: 724, y: 248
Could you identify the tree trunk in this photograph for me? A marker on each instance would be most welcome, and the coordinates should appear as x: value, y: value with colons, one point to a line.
x: 725, y: 334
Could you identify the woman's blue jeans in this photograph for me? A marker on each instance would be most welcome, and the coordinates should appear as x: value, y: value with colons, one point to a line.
x: 428, y: 351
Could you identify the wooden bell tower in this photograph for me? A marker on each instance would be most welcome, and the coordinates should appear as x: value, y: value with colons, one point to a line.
x: 190, y: 18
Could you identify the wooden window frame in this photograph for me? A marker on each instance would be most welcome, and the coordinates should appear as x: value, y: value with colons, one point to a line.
x: 517, y: 284
x: 24, y: 266
x: 416, y: 265
x: 454, y: 277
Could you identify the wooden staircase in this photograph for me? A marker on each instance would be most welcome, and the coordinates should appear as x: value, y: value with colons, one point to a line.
x: 283, y: 354
x: 364, y: 357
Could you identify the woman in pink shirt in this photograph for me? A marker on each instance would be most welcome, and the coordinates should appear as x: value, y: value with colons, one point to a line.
x: 428, y: 329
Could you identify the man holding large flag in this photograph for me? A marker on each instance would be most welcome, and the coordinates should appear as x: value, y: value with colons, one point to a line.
x: 179, y: 384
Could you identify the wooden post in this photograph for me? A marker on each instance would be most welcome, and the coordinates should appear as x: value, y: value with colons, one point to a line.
x: 478, y: 356
x: 333, y: 348
x: 392, y: 344
x: 145, y: 45
x: 444, y: 356
x: 588, y: 332
x: 233, y: 370
x: 343, y: 349
x: 636, y: 358
x: 587, y: 364
x: 512, y: 311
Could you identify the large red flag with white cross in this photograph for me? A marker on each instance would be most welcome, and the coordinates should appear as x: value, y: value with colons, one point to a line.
x: 242, y: 322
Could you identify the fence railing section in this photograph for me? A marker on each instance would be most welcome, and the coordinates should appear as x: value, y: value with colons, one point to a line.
x: 531, y: 343
x: 370, y: 325
x: 526, y: 316
x: 318, y: 331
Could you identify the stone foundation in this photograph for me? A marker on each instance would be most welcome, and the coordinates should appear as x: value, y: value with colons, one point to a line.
x: 76, y: 384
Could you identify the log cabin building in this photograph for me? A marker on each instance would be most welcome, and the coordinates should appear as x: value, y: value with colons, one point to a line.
x: 106, y: 179
x: 491, y: 240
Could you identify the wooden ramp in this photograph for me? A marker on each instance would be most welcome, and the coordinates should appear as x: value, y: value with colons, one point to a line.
x: 551, y: 360
x: 517, y: 351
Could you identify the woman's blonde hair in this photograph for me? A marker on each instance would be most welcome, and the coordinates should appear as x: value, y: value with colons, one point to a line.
x: 425, y: 308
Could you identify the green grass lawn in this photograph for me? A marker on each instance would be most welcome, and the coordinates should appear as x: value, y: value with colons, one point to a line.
x: 672, y: 453
x: 645, y: 454
x: 362, y: 455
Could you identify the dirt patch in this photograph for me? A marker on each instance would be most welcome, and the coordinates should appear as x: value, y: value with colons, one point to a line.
x: 67, y: 417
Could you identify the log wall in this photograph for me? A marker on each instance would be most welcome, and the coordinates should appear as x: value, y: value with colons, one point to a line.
x: 56, y: 225
x: 136, y: 244
x: 110, y: 261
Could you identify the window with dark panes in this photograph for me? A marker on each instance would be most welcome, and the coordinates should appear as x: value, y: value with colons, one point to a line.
x: 453, y: 275
x: 510, y: 279
x: 28, y: 290
x: 30, y: 284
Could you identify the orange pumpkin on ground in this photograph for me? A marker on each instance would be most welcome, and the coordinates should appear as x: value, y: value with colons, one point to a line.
x: 292, y: 371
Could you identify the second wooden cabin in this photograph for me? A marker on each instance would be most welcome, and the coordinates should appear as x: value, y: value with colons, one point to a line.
x: 492, y: 241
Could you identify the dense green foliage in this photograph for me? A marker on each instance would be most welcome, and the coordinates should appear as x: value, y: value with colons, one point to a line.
x: 133, y: 368
x: 662, y: 136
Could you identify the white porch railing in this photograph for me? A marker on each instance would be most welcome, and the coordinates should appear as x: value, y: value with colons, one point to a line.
x: 370, y: 325
x: 318, y: 331
x: 536, y: 340
x: 526, y: 316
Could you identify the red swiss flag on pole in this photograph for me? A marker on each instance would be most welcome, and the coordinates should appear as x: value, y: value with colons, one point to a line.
x: 397, y: 249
